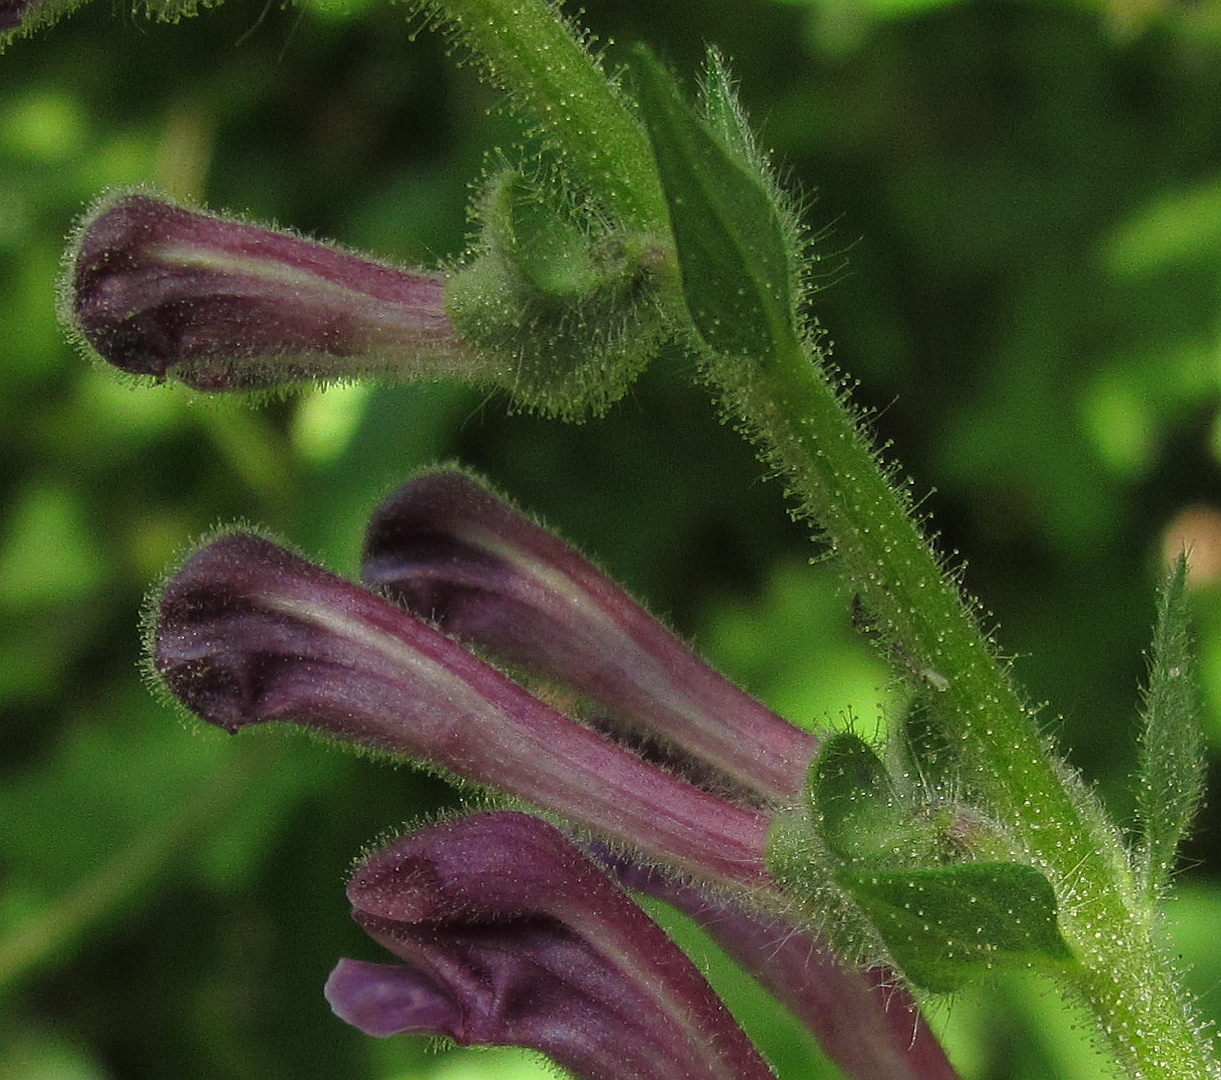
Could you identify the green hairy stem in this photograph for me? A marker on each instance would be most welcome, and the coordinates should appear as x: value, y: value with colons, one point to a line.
x: 550, y: 75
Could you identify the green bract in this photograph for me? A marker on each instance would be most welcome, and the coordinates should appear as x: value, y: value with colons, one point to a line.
x: 734, y: 251
x: 948, y: 925
x: 1172, y: 743
x: 942, y: 922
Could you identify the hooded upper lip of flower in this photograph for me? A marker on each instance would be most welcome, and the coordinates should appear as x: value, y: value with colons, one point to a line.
x: 445, y: 547
x: 512, y: 936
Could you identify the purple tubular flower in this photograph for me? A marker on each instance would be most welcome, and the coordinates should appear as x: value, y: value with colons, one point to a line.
x: 247, y: 632
x: 161, y: 291
x: 865, y: 1021
x: 448, y: 549
x: 511, y: 936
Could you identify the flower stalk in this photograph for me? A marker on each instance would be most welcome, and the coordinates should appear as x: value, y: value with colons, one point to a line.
x: 800, y: 420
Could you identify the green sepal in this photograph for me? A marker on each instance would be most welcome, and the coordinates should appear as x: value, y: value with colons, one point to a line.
x: 562, y: 303
x: 553, y: 253
x: 946, y: 926
x: 866, y: 818
x: 732, y: 243
x: 1172, y: 760
x: 852, y: 800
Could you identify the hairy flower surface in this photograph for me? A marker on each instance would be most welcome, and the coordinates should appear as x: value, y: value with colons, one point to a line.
x: 449, y: 549
x: 248, y: 632
x: 218, y: 304
x: 511, y: 936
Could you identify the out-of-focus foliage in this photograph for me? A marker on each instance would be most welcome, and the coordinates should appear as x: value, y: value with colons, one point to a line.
x: 1022, y: 269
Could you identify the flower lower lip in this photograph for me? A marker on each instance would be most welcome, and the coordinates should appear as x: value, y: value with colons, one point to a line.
x: 511, y: 936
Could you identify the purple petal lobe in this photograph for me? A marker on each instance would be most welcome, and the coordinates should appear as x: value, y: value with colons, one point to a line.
x: 247, y: 632
x: 390, y: 999
x: 500, y: 917
x: 162, y: 291
x: 448, y: 549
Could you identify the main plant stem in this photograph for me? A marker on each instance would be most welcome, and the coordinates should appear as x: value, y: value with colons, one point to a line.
x: 796, y: 414
x: 537, y: 58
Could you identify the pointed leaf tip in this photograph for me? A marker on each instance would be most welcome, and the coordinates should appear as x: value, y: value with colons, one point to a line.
x: 1172, y: 764
x: 733, y: 249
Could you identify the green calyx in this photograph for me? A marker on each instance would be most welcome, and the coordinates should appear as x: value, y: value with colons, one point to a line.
x: 564, y: 302
x: 860, y: 812
x: 920, y: 874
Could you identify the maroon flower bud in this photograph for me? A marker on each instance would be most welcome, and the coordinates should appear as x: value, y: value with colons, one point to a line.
x: 247, y: 632
x: 449, y: 550
x: 864, y: 1020
x: 511, y: 936
x: 217, y: 304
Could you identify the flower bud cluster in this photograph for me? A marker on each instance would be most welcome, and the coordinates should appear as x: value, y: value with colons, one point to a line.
x: 673, y: 767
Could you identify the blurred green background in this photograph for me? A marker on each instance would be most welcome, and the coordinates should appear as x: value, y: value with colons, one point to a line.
x: 1021, y: 205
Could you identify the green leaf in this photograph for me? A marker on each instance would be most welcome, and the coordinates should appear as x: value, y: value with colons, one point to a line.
x: 1172, y: 743
x: 732, y: 243
x: 946, y: 926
